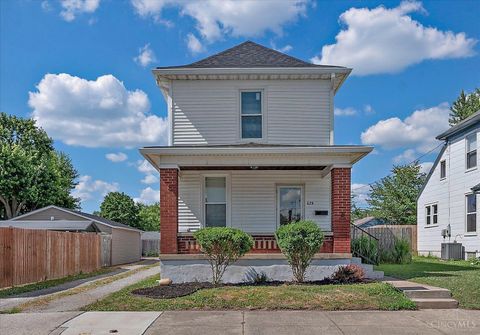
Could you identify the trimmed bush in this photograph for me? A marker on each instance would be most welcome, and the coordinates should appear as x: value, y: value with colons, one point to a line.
x: 365, y: 248
x: 299, y: 241
x: 348, y: 274
x: 223, y: 246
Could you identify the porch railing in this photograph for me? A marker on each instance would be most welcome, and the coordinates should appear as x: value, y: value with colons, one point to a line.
x: 369, y: 249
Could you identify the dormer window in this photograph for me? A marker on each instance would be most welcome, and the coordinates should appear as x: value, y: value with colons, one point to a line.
x: 251, y: 114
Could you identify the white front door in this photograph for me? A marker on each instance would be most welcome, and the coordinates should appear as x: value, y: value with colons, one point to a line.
x: 289, y: 204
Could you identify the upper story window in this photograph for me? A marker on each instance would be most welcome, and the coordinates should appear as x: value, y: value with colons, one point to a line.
x: 251, y: 114
x: 471, y: 213
x: 471, y: 156
x: 443, y: 169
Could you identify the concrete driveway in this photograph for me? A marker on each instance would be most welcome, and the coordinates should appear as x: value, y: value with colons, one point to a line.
x: 244, y: 322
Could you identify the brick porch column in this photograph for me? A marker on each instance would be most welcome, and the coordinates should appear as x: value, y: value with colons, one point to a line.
x: 341, y: 209
x: 168, y: 210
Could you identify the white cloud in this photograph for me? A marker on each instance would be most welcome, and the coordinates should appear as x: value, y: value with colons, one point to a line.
x: 150, y: 179
x: 146, y: 56
x: 368, y: 110
x: 426, y: 167
x: 349, y: 111
x: 285, y: 48
x: 72, y: 8
x: 88, y: 188
x: 416, y: 131
x: 116, y: 157
x: 214, y: 18
x: 145, y: 167
x: 361, y: 193
x: 95, y: 113
x: 388, y: 40
x: 148, y: 196
x: 407, y: 156
x: 194, y: 44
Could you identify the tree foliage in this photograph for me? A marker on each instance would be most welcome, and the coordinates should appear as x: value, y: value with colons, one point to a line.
x: 299, y: 241
x: 149, y: 217
x: 394, y: 198
x: 32, y: 173
x: 223, y: 246
x: 119, y: 207
x: 464, y: 106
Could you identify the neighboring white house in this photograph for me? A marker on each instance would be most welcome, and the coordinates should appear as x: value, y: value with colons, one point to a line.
x: 251, y: 146
x: 449, y: 196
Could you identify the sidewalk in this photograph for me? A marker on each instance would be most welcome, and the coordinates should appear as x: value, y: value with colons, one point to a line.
x: 244, y: 322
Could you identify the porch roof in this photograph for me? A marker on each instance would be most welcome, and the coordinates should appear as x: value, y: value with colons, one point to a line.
x: 255, y: 155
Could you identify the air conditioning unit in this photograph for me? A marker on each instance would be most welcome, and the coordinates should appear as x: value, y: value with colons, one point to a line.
x: 452, y: 251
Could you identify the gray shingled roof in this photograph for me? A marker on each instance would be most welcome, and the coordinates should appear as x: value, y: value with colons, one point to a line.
x: 248, y: 55
x: 102, y: 220
x: 469, y: 121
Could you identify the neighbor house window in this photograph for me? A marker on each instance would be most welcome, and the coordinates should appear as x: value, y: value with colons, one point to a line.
x: 471, y: 207
x: 443, y: 169
x: 251, y: 114
x: 215, y: 202
x: 431, y: 214
x: 471, y: 151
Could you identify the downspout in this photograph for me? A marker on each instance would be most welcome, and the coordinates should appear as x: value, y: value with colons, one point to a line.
x: 332, y: 94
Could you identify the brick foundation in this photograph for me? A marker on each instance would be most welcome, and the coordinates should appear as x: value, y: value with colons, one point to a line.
x: 169, y: 211
x: 341, y: 209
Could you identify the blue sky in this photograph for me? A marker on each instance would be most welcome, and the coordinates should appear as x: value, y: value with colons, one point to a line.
x: 82, y: 69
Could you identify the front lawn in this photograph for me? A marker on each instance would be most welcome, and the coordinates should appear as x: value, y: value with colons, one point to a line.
x: 460, y: 277
x: 321, y: 297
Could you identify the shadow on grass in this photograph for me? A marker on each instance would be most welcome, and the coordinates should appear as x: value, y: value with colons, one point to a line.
x: 420, y: 268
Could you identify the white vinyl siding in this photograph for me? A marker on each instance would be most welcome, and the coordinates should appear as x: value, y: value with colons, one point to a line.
x: 294, y: 111
x: 449, y: 194
x: 253, y: 198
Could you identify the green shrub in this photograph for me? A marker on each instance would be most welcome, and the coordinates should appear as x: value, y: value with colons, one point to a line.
x: 365, y: 248
x: 401, y: 253
x: 299, y: 241
x: 348, y: 274
x: 223, y: 246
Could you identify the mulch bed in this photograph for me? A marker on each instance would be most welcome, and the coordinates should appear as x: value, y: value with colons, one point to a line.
x: 183, y: 289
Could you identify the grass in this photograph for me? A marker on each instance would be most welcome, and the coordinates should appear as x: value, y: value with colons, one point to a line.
x: 320, y: 297
x: 460, y: 277
x: 50, y: 283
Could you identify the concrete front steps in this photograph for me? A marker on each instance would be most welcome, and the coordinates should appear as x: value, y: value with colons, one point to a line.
x: 425, y: 296
x: 370, y: 273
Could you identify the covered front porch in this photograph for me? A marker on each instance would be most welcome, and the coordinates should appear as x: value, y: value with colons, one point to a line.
x: 255, y: 188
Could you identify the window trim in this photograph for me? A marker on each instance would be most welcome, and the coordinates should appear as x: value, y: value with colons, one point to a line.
x: 444, y: 162
x: 471, y: 233
x: 467, y: 169
x: 262, y: 115
x: 302, y: 194
x: 227, y: 198
x: 432, y: 215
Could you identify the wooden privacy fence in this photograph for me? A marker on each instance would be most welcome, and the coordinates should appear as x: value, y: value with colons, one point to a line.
x: 31, y: 255
x: 386, y: 235
x: 150, y: 247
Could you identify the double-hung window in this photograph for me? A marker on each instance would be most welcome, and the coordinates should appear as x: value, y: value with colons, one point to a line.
x: 471, y: 155
x: 431, y: 214
x: 471, y: 213
x: 215, y: 201
x: 251, y: 114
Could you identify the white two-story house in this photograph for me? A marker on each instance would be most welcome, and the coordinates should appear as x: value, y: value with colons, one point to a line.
x: 251, y: 146
x: 451, y: 193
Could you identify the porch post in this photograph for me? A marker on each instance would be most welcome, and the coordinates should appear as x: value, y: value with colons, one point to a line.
x: 341, y: 209
x: 168, y: 210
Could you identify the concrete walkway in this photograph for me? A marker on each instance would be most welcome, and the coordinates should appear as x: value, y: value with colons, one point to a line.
x: 244, y: 322
x: 75, y: 302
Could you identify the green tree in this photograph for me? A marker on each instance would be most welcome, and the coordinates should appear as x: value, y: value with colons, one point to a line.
x: 32, y: 173
x: 356, y: 211
x: 119, y: 207
x: 464, y: 106
x: 394, y: 198
x: 149, y: 217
